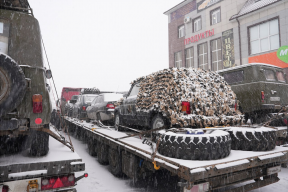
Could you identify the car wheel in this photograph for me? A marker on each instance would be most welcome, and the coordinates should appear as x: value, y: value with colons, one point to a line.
x: 98, y: 117
x: 157, y: 122
x: 208, y: 146
x: 117, y: 122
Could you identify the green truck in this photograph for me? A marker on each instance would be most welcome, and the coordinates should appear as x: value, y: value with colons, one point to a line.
x: 25, y: 105
x: 260, y: 88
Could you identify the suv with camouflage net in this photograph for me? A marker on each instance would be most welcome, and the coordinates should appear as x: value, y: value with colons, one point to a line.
x: 180, y: 98
x: 260, y: 88
x: 25, y: 105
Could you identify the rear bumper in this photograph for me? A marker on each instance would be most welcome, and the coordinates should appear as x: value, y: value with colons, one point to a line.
x: 272, y: 106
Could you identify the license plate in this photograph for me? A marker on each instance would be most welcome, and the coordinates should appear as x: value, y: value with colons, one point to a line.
x: 274, y: 98
x: 202, y: 187
x: 273, y: 170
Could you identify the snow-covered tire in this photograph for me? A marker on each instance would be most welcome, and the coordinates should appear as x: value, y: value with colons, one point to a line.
x: 115, y: 162
x: 253, y: 139
x: 39, y: 143
x: 215, y: 145
x: 102, y: 153
x: 12, y: 84
x: 92, y: 147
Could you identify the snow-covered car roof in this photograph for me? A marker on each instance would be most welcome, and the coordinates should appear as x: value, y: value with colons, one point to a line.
x: 248, y: 65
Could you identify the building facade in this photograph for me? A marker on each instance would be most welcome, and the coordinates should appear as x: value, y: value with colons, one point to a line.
x: 218, y: 34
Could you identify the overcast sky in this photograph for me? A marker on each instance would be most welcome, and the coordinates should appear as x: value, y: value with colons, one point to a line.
x: 103, y: 44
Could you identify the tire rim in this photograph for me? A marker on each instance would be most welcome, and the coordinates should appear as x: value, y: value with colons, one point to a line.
x: 4, y: 86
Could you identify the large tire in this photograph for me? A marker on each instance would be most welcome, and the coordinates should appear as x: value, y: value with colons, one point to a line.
x: 92, y: 147
x: 38, y: 143
x: 253, y: 139
x: 12, y: 84
x: 215, y: 145
x: 102, y: 153
x: 115, y: 162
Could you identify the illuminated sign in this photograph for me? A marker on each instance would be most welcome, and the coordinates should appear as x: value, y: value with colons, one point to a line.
x: 205, y: 4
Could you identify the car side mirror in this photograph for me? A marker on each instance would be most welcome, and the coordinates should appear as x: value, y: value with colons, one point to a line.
x: 48, y: 74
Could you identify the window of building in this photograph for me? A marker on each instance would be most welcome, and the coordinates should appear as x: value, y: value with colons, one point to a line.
x: 178, y: 59
x: 216, y: 53
x: 264, y: 37
x: 234, y: 77
x: 181, y: 31
x: 197, y: 24
x: 203, y: 56
x: 215, y: 16
x: 189, y: 57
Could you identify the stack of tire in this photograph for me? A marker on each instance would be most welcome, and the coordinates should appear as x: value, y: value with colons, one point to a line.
x: 216, y: 144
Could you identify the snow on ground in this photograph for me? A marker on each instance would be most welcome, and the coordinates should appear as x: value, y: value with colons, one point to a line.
x: 100, y: 179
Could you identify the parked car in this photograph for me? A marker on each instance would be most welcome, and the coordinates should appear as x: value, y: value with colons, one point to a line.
x: 69, y: 105
x: 102, y: 107
x: 260, y: 88
x: 79, y: 108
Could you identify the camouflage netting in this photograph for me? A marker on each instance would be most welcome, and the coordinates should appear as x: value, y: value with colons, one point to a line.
x: 209, y: 95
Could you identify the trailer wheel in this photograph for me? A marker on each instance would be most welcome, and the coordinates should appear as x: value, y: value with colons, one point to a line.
x: 253, y: 139
x: 92, y: 147
x: 12, y: 84
x: 209, y: 146
x: 102, y: 153
x: 115, y: 162
x: 39, y: 143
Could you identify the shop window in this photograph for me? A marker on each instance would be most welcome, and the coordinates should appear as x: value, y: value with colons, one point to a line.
x: 264, y: 37
x: 189, y: 57
x: 181, y: 31
x: 197, y: 24
x: 216, y: 55
x: 203, y: 56
x: 215, y: 16
x: 178, y: 59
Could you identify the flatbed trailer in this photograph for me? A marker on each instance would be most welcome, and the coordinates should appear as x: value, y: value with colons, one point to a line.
x: 20, y: 172
x: 194, y: 175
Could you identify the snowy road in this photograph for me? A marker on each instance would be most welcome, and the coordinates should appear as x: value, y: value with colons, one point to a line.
x: 100, y: 179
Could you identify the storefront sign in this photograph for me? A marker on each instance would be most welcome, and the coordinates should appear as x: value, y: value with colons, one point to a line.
x: 282, y: 53
x: 199, y: 36
x: 205, y: 4
x: 228, y: 49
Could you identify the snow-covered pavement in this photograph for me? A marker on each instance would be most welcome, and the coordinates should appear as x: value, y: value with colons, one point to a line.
x: 100, y: 179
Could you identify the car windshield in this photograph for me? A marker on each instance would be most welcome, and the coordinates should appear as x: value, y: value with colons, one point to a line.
x: 280, y: 76
x: 88, y: 99
x: 269, y: 74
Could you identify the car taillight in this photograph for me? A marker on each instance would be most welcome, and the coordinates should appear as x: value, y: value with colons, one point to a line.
x: 262, y: 96
x: 235, y: 106
x: 110, y: 106
x: 57, y: 182
x: 37, y: 103
x: 84, y: 108
x: 186, y: 107
x: 5, y: 188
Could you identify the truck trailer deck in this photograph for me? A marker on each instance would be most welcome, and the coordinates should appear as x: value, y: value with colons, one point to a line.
x: 17, y: 171
x: 239, y: 166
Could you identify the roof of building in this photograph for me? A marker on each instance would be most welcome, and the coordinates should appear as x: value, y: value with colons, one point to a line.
x: 253, y: 5
x: 176, y: 6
